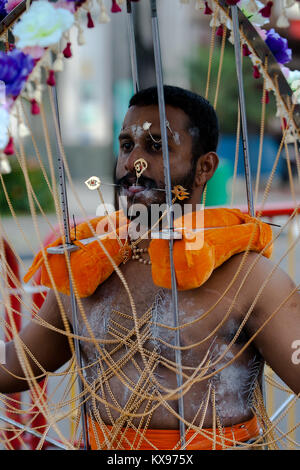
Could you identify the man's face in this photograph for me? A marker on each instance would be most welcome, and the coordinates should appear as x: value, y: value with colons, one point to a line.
x: 137, y: 142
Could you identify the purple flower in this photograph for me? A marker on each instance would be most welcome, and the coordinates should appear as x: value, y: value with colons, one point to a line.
x: 15, y: 66
x: 279, y: 47
x: 3, y: 11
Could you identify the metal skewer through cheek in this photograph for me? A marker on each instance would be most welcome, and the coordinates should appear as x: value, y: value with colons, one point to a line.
x: 170, y: 213
x: 65, y: 212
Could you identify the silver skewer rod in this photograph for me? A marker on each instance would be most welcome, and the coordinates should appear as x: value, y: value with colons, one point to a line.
x: 66, y: 222
x: 132, y: 48
x: 282, y: 407
x: 170, y: 212
x: 14, y: 423
x: 239, y: 72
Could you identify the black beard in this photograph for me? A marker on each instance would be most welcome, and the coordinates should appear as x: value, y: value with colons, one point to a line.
x: 187, y: 182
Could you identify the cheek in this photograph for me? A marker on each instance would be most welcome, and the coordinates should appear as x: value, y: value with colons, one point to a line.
x: 119, y: 168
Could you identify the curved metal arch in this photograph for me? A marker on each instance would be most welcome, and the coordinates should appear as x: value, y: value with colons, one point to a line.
x: 262, y: 51
x: 248, y: 33
x: 12, y: 17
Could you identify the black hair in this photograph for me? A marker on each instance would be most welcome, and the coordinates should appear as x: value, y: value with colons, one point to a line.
x: 203, y: 122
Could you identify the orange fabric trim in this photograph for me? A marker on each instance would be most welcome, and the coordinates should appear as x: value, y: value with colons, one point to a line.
x: 167, y: 439
x: 196, y: 255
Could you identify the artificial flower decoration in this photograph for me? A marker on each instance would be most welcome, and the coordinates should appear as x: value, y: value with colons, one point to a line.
x: 4, y: 122
x: 67, y: 4
x: 11, y: 4
x: 278, y: 46
x: 42, y: 25
x: 3, y: 11
x: 15, y: 66
x: 293, y: 80
x: 254, y: 13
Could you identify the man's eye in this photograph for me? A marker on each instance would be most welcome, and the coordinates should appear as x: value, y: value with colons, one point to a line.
x: 127, y: 146
x: 156, y: 147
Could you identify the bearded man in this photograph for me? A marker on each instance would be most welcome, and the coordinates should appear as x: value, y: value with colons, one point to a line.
x: 227, y: 331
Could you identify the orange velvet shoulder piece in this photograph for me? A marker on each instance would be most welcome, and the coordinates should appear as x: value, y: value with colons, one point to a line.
x: 210, y: 238
x: 226, y: 233
x: 90, y: 266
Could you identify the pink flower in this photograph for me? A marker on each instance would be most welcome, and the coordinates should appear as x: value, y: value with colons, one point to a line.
x: 285, y: 70
x: 261, y: 32
x: 35, y: 51
x: 11, y: 4
x: 66, y: 5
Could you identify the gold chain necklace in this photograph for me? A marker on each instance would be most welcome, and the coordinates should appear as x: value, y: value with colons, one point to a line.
x: 180, y: 193
x: 137, y: 257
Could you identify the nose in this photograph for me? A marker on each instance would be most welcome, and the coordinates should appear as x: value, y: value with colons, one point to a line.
x: 134, y: 155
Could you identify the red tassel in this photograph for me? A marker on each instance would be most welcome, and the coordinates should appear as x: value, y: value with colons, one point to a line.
x: 267, y: 99
x: 67, y: 51
x: 220, y: 30
x: 207, y: 11
x: 90, y: 23
x: 9, y: 149
x: 232, y: 2
x: 266, y: 11
x: 35, y: 109
x: 115, y: 7
x: 51, y: 78
x: 246, y: 50
x: 256, y: 73
x: 284, y: 123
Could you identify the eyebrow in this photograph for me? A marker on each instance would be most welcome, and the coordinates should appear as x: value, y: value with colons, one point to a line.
x: 125, y: 135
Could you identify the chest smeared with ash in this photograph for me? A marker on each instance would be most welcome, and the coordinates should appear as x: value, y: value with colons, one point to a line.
x: 120, y: 337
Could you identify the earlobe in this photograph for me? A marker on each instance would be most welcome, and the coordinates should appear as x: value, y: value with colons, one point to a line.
x: 206, y: 166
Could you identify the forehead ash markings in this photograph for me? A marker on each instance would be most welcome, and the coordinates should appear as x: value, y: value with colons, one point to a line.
x: 137, y: 131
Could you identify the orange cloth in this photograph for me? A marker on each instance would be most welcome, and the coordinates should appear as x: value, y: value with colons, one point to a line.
x: 167, y: 439
x: 196, y: 255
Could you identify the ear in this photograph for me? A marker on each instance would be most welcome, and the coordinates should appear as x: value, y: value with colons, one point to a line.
x: 206, y: 166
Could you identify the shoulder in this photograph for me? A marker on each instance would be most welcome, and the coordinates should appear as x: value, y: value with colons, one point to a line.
x: 268, y: 289
x: 256, y: 278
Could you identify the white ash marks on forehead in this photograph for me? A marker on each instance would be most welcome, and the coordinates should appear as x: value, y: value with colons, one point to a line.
x: 137, y: 130
x: 176, y: 138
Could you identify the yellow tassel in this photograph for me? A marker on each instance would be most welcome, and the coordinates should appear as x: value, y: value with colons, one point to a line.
x: 58, y: 64
x: 104, y: 17
x: 80, y: 37
x: 289, y: 3
x: 23, y: 130
x: 199, y: 5
x: 5, y: 167
x: 282, y: 21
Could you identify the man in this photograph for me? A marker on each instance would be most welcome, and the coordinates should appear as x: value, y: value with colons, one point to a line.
x: 130, y: 363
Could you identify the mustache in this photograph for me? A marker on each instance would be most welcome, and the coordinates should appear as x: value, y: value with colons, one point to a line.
x: 130, y: 179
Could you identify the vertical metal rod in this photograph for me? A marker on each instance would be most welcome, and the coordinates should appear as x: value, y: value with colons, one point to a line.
x: 239, y: 72
x: 170, y: 212
x: 132, y: 47
x: 66, y: 222
x: 282, y: 407
x: 244, y: 128
x: 24, y: 428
